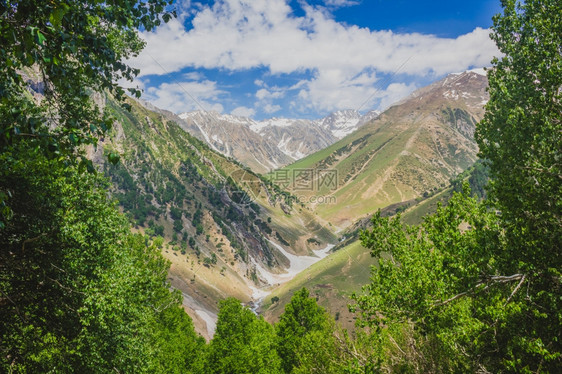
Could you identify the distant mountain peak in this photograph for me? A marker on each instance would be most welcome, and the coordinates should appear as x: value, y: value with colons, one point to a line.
x: 271, y: 143
x: 479, y: 71
x: 341, y: 122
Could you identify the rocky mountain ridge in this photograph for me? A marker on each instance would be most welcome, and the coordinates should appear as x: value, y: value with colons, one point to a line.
x: 270, y: 144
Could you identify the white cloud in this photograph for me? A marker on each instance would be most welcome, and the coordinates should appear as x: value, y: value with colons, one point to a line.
x: 193, y: 76
x: 344, y: 60
x: 332, y: 89
x: 340, y: 3
x: 263, y: 94
x: 243, y: 111
x: 235, y: 34
x: 185, y: 96
x: 266, y: 97
x: 393, y: 93
x: 270, y: 108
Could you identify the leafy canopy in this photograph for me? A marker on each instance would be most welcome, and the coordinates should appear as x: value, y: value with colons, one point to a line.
x: 480, y: 284
x: 521, y: 134
x: 243, y: 343
x: 79, y: 292
x: 66, y: 51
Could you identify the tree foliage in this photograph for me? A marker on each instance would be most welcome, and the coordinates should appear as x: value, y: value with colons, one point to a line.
x: 79, y: 292
x: 243, y: 343
x: 521, y: 135
x: 66, y: 51
x: 429, y: 275
x: 478, y: 286
x: 305, y: 340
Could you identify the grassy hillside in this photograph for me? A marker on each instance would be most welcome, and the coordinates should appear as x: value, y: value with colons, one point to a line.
x: 212, y: 217
x: 335, y: 278
x: 412, y: 149
x: 332, y: 281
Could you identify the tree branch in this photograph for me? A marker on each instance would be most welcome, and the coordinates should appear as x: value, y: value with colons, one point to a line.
x: 345, y: 348
x: 31, y: 240
x: 494, y: 279
x: 515, y: 290
x: 19, y: 313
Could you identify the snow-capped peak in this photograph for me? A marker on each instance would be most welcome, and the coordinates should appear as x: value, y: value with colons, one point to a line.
x: 277, y: 122
x: 342, y: 122
x: 479, y: 71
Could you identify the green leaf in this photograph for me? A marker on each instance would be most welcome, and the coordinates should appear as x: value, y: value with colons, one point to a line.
x: 56, y: 16
x: 113, y: 157
x: 40, y: 37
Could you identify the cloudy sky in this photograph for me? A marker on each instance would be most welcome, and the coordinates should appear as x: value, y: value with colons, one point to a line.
x: 306, y: 59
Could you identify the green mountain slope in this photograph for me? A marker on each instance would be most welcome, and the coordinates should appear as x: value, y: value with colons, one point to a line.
x: 413, y: 148
x: 332, y: 281
x: 335, y: 278
x: 214, y: 219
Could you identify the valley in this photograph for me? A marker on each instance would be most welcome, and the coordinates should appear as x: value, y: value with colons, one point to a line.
x: 187, y: 182
x: 207, y: 188
x: 219, y: 224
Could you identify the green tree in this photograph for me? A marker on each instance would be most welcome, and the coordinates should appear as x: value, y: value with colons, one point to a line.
x: 521, y: 136
x: 79, y: 292
x: 482, y: 290
x: 243, y: 343
x: 179, y: 349
x: 520, y: 132
x: 430, y: 275
x: 207, y: 261
x: 305, y: 335
x: 178, y: 226
x: 70, y: 50
x: 55, y: 57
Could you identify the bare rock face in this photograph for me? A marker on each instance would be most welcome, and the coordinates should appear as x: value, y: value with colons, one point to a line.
x: 233, y: 137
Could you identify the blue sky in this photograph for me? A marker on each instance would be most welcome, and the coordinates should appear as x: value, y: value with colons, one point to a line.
x: 306, y: 59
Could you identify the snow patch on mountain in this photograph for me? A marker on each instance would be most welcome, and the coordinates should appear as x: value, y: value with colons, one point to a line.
x: 479, y: 71
x: 217, y: 139
x: 341, y: 123
x: 296, y: 264
x: 277, y: 122
x: 277, y: 141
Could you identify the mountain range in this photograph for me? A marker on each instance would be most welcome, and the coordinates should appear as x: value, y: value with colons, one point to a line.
x: 226, y: 230
x: 410, y: 150
x: 270, y: 144
x: 191, y: 180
